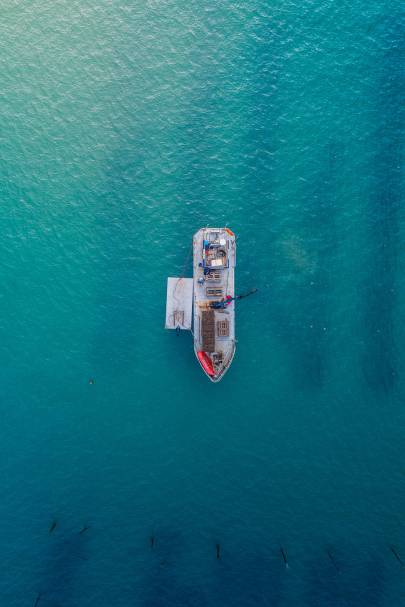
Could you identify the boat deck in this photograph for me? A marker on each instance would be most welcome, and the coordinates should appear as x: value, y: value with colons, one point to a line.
x: 213, y: 271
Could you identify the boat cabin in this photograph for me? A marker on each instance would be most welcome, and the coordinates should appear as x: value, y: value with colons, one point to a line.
x: 214, y: 253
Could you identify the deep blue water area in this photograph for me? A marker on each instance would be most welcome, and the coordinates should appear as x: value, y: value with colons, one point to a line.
x: 125, y: 126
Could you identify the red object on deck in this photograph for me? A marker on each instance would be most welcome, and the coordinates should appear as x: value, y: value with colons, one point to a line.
x: 206, y: 363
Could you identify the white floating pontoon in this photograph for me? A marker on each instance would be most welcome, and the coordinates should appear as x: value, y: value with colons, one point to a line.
x: 179, y: 303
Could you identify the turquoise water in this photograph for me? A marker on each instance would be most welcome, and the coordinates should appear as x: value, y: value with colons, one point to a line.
x: 126, y: 126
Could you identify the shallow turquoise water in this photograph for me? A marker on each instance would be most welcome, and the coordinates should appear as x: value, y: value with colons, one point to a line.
x: 126, y: 126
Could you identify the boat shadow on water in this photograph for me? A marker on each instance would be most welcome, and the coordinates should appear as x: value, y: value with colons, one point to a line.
x: 385, y: 178
x: 303, y: 269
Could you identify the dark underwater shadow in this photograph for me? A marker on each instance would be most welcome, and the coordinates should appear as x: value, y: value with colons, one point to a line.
x: 62, y: 564
x: 311, y: 318
x: 297, y: 260
x: 359, y: 584
x: 171, y: 579
x: 380, y: 357
x: 324, y: 584
x: 367, y: 588
x: 304, y: 273
x: 250, y: 578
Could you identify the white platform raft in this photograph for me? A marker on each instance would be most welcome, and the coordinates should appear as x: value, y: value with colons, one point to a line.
x: 179, y: 303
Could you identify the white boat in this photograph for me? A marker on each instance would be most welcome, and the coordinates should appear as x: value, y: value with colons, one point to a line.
x: 213, y: 300
x: 214, y: 258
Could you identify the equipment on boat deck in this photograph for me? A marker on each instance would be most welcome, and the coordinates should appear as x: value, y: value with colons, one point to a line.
x: 218, y: 305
